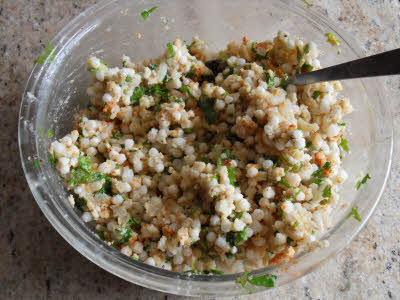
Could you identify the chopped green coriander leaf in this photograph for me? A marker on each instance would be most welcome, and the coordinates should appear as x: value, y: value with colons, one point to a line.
x: 234, y: 238
x: 313, y: 232
x: 138, y: 93
x: 327, y: 165
x: 252, y: 47
x: 53, y: 159
x: 80, y: 203
x: 308, y: 144
x: 203, y: 244
x: 266, y: 280
x: 284, y: 182
x: 270, y: 80
x: 135, y: 256
x: 284, y: 80
x: 187, y: 90
x: 205, y: 160
x: 229, y: 255
x: 147, y: 143
x: 342, y: 124
x: 48, y: 54
x: 159, y: 90
x: 116, y: 135
x: 213, y: 271
x: 49, y: 133
x: 307, y: 49
x: 101, y: 235
x: 317, y: 176
x: 36, y: 163
x: 207, y: 106
x: 224, y: 94
x: 306, y: 2
x: 260, y: 57
x: 323, y: 202
x: 171, y: 52
x: 327, y: 192
x: 191, y: 45
x: 238, y: 214
x: 125, y: 233
x: 94, y: 70
x: 216, y: 177
x: 332, y: 39
x: 292, y: 197
x: 362, y: 181
x: 316, y: 94
x: 343, y: 144
x: 191, y: 272
x: 306, y: 67
x: 152, y: 67
x: 146, y: 13
x: 231, y: 175
x: 296, y: 224
x: 128, y: 78
x: 187, y: 130
x: 298, y: 55
x: 107, y: 186
x: 355, y: 214
x: 117, y: 167
x: 134, y: 223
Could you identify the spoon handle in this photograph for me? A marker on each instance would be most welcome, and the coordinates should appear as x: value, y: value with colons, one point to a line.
x: 386, y: 63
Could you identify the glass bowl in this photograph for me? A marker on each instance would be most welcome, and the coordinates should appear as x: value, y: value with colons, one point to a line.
x: 108, y: 29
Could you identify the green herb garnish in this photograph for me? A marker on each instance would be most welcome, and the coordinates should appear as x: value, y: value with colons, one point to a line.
x: 306, y: 67
x: 327, y: 192
x: 270, y: 80
x: 298, y: 55
x: 318, y: 174
x: 234, y: 238
x: 306, y: 2
x: 207, y: 106
x: 146, y: 13
x: 316, y: 94
x: 362, y: 181
x: 36, y: 163
x: 134, y: 223
x: 152, y: 67
x: 80, y: 203
x: 284, y: 182
x: 53, y: 159
x: 307, y: 49
x: 48, y: 54
x: 128, y: 78
x: 343, y: 144
x: 138, y: 93
x: 213, y: 271
x: 229, y: 255
x: 135, y: 256
x: 231, y: 175
x: 355, y: 214
x: 342, y: 124
x: 187, y: 90
x: 266, y: 280
x: 327, y: 165
x: 49, y: 133
x: 171, y: 52
x: 125, y: 233
x: 332, y: 39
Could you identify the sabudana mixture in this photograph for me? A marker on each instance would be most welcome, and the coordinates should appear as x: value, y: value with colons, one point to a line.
x: 207, y: 162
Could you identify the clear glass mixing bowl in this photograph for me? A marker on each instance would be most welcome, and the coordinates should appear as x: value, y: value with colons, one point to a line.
x: 108, y: 29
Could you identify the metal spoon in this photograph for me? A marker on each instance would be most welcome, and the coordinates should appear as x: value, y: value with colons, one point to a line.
x: 386, y: 63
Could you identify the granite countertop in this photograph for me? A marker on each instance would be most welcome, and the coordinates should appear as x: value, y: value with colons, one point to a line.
x: 36, y: 262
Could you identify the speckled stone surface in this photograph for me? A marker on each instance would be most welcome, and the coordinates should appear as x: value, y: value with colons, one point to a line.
x: 36, y: 263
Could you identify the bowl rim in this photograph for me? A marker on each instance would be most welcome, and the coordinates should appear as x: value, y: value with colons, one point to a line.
x: 109, y: 257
